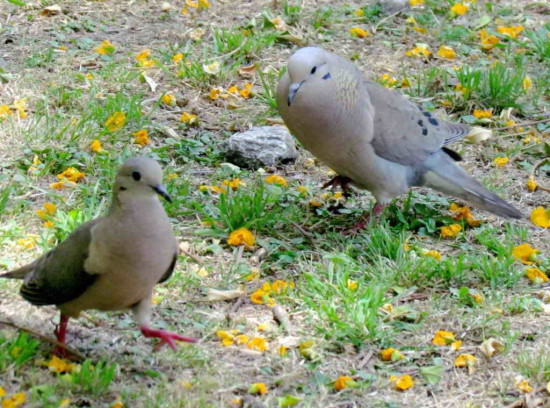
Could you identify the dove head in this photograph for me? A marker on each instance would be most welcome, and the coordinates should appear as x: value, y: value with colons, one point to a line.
x: 307, y: 67
x: 139, y: 178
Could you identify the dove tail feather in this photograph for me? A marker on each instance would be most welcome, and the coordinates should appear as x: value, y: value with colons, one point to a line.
x: 19, y: 273
x: 451, y: 179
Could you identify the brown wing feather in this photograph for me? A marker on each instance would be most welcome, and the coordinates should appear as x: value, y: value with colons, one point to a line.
x: 59, y: 276
x: 403, y: 132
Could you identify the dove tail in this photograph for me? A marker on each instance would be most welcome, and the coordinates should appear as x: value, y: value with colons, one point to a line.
x: 17, y: 273
x: 449, y: 178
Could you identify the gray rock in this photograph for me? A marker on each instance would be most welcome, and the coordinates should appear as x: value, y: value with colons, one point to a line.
x: 261, y: 146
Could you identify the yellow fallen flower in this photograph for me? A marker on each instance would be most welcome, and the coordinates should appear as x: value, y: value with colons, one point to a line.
x: 443, y: 338
x: 71, y: 174
x: 57, y: 365
x: 258, y: 388
x: 351, y: 284
x: 343, y: 382
x: 391, y: 354
x: 115, y: 121
x: 49, y: 210
x: 15, y: 401
x: 276, y: 179
x: 359, y: 32
x: 500, y: 161
x: 421, y: 50
x: 465, y: 360
x: 450, y: 231
x: 459, y: 9
x: 105, y: 48
x: 433, y: 254
x: 141, y: 137
x: 402, y: 383
x: 241, y: 236
x: 523, y: 386
x: 483, y: 114
x: 511, y: 32
x: 233, y: 184
x: 446, y: 52
x: 488, y: 41
x: 258, y: 344
x: 541, y: 217
x: 95, y: 146
x: 531, y: 184
x: 536, y: 275
x: 168, y: 99
x: 187, y: 117
x: 525, y: 253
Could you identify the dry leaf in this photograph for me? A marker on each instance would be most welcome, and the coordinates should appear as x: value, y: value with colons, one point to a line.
x: 247, y: 71
x: 289, y: 341
x: 506, y: 114
x: 214, y: 294
x: 490, y: 347
x: 51, y: 10
x: 295, y: 39
x: 197, y: 34
x: 168, y: 131
x: 150, y: 81
x: 478, y: 134
x: 212, y: 68
x: 543, y: 295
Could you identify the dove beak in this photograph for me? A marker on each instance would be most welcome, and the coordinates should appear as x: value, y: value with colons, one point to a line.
x: 161, y: 190
x: 293, y: 90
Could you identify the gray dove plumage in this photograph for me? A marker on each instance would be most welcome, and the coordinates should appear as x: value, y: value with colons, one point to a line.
x: 112, y: 262
x: 373, y: 136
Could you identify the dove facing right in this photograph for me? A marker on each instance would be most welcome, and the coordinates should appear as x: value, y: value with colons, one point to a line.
x: 112, y: 262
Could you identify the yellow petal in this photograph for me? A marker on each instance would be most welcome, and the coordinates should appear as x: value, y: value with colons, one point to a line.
x: 541, y: 217
x: 343, y: 382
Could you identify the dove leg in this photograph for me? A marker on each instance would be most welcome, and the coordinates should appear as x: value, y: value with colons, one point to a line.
x: 60, y: 334
x: 342, y: 182
x: 362, y: 224
x: 165, y: 337
x: 142, y: 313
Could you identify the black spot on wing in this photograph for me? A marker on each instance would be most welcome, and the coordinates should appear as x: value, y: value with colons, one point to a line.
x: 433, y: 121
x: 424, y: 131
x: 427, y: 114
x: 326, y: 76
x: 452, y: 154
x: 421, y: 123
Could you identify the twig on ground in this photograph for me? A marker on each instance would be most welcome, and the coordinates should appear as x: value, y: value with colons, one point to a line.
x: 533, y: 171
x: 365, y: 360
x: 281, y: 316
x: 308, y: 235
x: 529, y: 123
x: 44, y: 338
x: 192, y: 256
x: 375, y: 28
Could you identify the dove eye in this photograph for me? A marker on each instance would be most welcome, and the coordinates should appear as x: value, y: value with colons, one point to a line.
x: 136, y: 175
x: 313, y: 70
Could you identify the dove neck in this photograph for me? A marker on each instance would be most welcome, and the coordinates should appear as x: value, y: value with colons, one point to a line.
x: 134, y: 202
